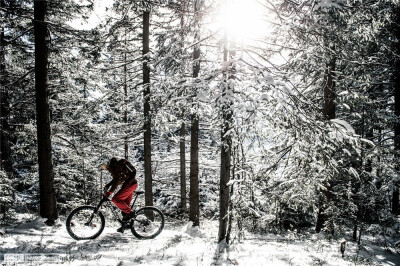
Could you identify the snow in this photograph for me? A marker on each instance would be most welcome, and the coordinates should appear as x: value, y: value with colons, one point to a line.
x: 182, y: 244
x: 341, y: 129
x: 341, y: 123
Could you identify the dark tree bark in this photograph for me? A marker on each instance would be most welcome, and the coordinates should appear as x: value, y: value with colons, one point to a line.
x: 329, y: 111
x: 148, y: 183
x: 5, y: 147
x: 226, y: 148
x: 330, y: 91
x: 126, y: 147
x: 396, y: 79
x: 182, y: 151
x: 230, y: 216
x: 232, y: 72
x: 5, y: 131
x: 395, y: 201
x: 48, y: 208
x: 194, y: 212
x: 4, y: 108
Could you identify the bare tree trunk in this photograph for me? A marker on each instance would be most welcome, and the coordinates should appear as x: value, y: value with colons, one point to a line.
x: 5, y: 159
x: 194, y: 212
x: 5, y: 149
x: 48, y: 206
x: 226, y: 148
x: 126, y: 147
x: 182, y: 150
x: 225, y: 175
x: 396, y: 193
x: 395, y: 201
x: 330, y: 91
x: 325, y: 196
x: 395, y: 198
x: 85, y: 190
x: 230, y: 216
x: 148, y: 183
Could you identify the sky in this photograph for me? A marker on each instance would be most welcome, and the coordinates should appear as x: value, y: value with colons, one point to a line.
x: 243, y: 19
x: 97, y: 17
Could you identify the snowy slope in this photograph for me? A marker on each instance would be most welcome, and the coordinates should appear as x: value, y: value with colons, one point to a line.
x: 180, y: 244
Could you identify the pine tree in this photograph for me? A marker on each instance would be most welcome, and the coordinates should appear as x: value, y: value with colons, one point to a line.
x: 194, y: 214
x: 396, y: 81
x: 147, y: 114
x: 48, y: 208
x: 226, y: 140
x: 5, y: 160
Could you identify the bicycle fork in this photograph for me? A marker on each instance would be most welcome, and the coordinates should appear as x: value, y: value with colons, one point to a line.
x: 95, y: 211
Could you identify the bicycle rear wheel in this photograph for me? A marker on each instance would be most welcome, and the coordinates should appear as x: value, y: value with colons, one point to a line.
x: 83, y: 223
x: 147, y: 223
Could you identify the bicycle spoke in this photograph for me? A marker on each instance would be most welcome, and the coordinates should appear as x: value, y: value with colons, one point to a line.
x: 83, y: 223
x: 148, y: 223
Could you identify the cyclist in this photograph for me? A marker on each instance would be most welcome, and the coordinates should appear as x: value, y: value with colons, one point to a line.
x: 123, y: 173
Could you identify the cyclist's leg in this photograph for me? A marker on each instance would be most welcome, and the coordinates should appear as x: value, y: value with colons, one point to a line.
x: 123, y: 197
x: 130, y: 195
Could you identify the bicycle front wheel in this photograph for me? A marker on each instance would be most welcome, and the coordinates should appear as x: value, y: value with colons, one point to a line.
x: 147, y: 223
x: 84, y: 223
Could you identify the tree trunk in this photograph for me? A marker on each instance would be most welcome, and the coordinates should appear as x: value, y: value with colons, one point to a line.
x: 194, y: 212
x: 395, y: 199
x: 183, y: 168
x: 330, y: 91
x: 48, y: 206
x: 230, y: 216
x: 355, y: 228
x: 226, y: 147
x: 329, y: 112
x: 368, y: 213
x: 148, y: 183
x: 5, y: 159
x: 126, y: 147
x: 5, y: 147
x: 225, y: 174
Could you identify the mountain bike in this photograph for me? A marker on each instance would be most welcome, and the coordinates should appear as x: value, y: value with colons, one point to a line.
x: 87, y: 222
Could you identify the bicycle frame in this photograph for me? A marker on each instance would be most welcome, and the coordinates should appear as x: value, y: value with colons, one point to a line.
x: 104, y: 199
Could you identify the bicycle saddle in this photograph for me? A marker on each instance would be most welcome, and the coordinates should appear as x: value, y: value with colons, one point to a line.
x: 139, y: 192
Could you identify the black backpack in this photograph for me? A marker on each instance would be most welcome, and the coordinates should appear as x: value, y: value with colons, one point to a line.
x: 128, y: 166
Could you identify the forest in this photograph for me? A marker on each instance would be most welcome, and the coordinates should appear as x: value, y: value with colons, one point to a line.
x: 242, y: 118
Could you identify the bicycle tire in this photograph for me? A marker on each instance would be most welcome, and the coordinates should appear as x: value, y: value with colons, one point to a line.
x: 141, y: 225
x: 77, y: 227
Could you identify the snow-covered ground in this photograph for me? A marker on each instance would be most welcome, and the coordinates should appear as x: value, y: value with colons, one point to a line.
x: 180, y: 244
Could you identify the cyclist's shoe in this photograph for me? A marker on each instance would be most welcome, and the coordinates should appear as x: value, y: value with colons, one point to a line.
x: 125, y: 225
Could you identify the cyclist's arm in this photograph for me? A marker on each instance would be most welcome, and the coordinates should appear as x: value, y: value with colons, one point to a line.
x: 115, y: 182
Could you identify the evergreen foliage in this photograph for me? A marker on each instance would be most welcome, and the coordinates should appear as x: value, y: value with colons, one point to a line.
x: 307, y: 110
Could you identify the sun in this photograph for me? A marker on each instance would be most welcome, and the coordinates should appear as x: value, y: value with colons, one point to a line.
x: 243, y: 20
